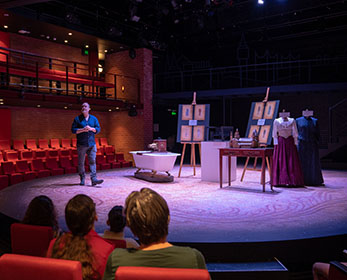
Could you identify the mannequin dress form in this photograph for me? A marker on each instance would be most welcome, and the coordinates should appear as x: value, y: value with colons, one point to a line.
x: 308, y: 148
x: 286, y: 170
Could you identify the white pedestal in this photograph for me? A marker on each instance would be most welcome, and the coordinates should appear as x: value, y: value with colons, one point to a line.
x: 210, y: 162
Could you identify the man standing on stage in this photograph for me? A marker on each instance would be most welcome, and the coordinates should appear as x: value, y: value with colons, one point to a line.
x: 85, y: 127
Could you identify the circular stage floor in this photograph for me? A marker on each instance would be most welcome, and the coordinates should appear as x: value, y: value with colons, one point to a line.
x: 201, y: 211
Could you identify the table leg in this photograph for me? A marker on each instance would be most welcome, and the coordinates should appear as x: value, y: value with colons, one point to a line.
x: 229, y: 165
x: 244, y: 169
x: 262, y: 180
x: 193, y: 150
x: 184, y: 150
x: 255, y: 163
x: 220, y: 168
x: 268, y: 166
x: 271, y: 173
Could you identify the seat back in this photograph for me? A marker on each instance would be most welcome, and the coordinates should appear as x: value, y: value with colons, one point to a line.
x: 100, y: 159
x: 103, y: 142
x: 31, y: 144
x: 55, y: 143
x: 159, y: 273
x: 11, y: 155
x: 43, y: 144
x: 5, y: 145
x: 65, y: 162
x: 19, y: 267
x: 18, y: 145
x: 74, y: 142
x: 30, y: 240
x: 37, y: 165
x: 40, y: 154
x: 66, y: 143
x: 120, y: 157
x: 118, y: 243
x: 22, y: 166
x: 8, y: 167
x: 52, y: 163
x: 27, y: 155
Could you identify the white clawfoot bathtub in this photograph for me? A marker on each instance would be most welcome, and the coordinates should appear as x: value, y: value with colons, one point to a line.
x: 154, y: 161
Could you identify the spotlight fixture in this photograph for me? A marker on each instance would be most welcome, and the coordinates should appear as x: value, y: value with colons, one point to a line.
x: 100, y: 69
x: 65, y: 107
x: 5, y: 26
x: 66, y: 41
x: 86, y: 46
x: 54, y: 39
x: 260, y: 2
x: 22, y: 31
x: 110, y: 110
x: 38, y: 105
x: 117, y: 108
x: 70, y: 34
x: 105, y: 51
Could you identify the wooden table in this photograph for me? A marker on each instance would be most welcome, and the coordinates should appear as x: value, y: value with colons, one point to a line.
x: 264, y: 153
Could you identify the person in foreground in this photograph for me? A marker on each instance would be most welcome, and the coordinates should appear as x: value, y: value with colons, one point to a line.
x: 85, y: 126
x: 147, y: 215
x: 41, y: 212
x: 82, y: 243
x: 116, y: 220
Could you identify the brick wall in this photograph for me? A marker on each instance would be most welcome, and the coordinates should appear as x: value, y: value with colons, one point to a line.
x: 122, y: 131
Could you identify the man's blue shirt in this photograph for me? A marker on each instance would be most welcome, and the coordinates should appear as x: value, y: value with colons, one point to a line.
x: 86, y: 139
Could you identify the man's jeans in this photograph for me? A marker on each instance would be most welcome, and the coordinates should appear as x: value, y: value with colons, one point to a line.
x: 91, y: 152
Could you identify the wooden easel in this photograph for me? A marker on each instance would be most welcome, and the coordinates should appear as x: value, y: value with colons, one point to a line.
x: 254, y: 168
x: 192, y: 155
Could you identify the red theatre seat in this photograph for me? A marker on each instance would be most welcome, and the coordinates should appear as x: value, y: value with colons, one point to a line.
x: 111, y: 159
x: 9, y: 169
x: 27, y: 155
x: 31, y: 144
x: 52, y: 154
x: 65, y: 163
x: 43, y: 144
x: 18, y: 145
x: 5, y: 145
x: 11, y: 155
x: 122, y: 161
x: 159, y: 273
x: 40, y: 154
x: 3, y: 180
x: 64, y: 153
x: 18, y: 267
x: 30, y: 240
x: 74, y: 142
x: 23, y: 167
x: 118, y: 243
x: 101, y: 163
x: 38, y: 167
x: 55, y: 144
x: 52, y: 165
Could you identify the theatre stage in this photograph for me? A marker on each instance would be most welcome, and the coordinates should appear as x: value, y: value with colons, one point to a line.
x: 201, y: 211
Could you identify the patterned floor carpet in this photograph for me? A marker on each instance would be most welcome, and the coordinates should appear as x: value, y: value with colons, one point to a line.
x: 201, y: 211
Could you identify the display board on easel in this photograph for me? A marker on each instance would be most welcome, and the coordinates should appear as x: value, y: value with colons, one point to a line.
x: 192, y: 128
x: 261, y: 118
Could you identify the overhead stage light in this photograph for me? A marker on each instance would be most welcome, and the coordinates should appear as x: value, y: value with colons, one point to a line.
x: 260, y: 2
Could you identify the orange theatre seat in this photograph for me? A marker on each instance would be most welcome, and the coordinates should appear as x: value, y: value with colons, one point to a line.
x: 66, y: 143
x: 52, y: 165
x: 9, y: 169
x: 38, y: 167
x: 159, y: 273
x: 65, y: 163
x: 122, y: 161
x: 74, y: 142
x: 11, y: 155
x: 19, y: 145
x: 111, y: 159
x: 31, y: 144
x: 19, y: 267
x: 109, y: 149
x: 5, y: 145
x: 23, y: 167
x: 101, y: 163
x: 30, y: 240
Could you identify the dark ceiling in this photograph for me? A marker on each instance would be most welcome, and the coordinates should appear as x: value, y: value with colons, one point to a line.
x: 203, y: 30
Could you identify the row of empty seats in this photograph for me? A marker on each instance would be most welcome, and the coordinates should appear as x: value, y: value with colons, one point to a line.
x: 53, y: 144
x: 23, y: 163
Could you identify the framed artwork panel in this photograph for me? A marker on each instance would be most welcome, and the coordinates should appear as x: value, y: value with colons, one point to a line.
x: 258, y: 111
x: 199, y: 133
x: 199, y: 113
x: 252, y: 128
x: 187, y: 112
x: 264, y: 134
x: 270, y: 110
x: 186, y: 133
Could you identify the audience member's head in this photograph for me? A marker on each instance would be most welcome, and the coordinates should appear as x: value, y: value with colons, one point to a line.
x: 147, y: 215
x: 116, y: 219
x: 41, y: 212
x: 80, y: 215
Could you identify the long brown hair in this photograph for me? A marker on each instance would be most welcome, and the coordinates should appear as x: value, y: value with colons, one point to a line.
x: 147, y: 215
x: 80, y: 216
x: 41, y: 212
